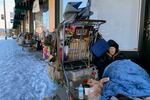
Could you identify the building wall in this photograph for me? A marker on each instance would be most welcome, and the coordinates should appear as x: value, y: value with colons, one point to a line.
x: 122, y: 21
x: 51, y: 15
x: 9, y: 15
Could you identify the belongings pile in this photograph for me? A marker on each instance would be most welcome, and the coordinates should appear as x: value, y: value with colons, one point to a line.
x: 73, y: 11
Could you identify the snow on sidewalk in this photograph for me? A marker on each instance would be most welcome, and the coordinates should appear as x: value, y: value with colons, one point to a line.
x: 22, y: 76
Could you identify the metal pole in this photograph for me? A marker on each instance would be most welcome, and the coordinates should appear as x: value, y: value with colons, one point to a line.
x: 5, y: 20
x: 89, y: 6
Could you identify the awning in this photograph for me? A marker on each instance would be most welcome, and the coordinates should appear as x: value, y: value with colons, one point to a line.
x: 25, y: 5
x: 19, y: 16
x: 44, y: 4
x: 17, y: 1
x: 19, y: 11
x: 43, y: 1
x: 16, y: 23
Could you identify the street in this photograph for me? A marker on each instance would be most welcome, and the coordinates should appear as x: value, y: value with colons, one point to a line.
x: 22, y: 75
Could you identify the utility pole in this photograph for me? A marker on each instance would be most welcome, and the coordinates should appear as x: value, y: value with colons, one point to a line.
x: 5, y: 19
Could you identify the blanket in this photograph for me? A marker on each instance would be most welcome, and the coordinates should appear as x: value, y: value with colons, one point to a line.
x: 126, y: 78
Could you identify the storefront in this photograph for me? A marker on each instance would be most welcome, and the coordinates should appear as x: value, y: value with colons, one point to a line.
x: 46, y: 23
x: 22, y: 16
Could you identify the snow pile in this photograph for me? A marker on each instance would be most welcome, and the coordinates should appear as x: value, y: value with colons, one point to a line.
x: 22, y: 76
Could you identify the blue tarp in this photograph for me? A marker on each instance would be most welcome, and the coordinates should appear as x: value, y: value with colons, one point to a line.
x: 126, y: 78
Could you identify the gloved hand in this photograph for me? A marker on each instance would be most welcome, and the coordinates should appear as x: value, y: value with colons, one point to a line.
x: 96, y: 86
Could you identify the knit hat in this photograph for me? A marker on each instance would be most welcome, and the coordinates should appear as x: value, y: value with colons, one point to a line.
x: 112, y: 43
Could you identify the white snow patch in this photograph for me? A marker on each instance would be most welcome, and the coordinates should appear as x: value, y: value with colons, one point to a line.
x: 22, y: 76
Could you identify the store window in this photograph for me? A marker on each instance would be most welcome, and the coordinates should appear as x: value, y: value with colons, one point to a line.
x: 45, y: 16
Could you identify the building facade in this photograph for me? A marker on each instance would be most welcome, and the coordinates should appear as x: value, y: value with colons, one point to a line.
x: 123, y: 19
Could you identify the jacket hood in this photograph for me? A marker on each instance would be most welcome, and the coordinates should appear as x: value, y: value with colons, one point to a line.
x: 112, y: 43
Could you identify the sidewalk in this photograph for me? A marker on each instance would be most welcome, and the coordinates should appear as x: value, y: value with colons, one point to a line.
x: 60, y: 93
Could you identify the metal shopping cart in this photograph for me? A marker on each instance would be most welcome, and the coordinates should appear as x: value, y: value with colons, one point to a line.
x: 73, y: 40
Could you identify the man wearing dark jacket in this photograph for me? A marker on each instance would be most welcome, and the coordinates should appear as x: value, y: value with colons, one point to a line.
x: 111, y: 55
